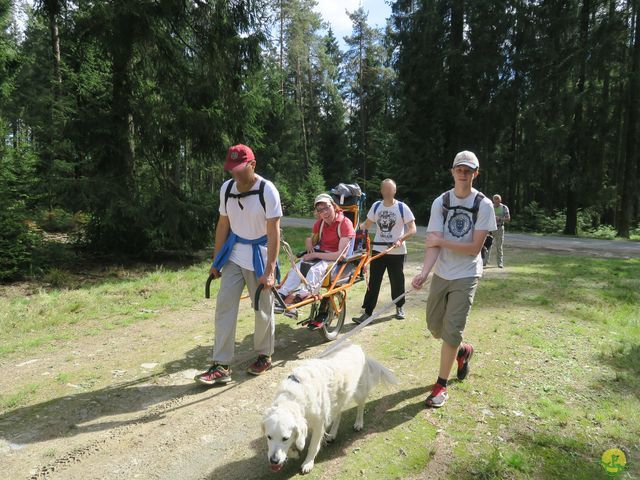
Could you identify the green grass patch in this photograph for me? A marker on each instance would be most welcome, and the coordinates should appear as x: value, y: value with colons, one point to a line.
x: 121, y: 299
x: 19, y: 398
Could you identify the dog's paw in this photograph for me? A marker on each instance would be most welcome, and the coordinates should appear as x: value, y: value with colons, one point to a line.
x: 358, y: 426
x: 307, y: 467
x: 329, y: 438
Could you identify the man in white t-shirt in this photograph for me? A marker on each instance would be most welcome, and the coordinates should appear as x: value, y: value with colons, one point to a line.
x: 246, y: 253
x: 395, y: 223
x: 460, y: 220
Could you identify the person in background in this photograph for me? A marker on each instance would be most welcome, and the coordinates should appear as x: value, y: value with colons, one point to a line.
x: 395, y: 223
x: 502, y: 216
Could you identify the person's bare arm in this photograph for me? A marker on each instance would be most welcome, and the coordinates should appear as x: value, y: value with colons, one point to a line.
x: 411, y: 230
x: 273, y: 247
x: 308, y: 243
x: 430, y: 256
x: 366, y: 225
x: 222, y: 232
x: 329, y: 256
x: 466, y: 248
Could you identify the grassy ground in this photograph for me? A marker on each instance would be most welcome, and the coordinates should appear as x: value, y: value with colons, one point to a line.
x: 555, y: 381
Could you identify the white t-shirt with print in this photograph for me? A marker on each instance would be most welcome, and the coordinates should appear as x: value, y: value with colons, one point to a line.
x: 458, y: 227
x: 390, y: 225
x: 249, y: 222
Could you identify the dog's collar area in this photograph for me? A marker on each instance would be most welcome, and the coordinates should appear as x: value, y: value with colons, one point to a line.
x: 293, y: 378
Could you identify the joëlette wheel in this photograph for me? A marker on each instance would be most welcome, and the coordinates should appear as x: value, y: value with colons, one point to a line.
x: 337, y: 309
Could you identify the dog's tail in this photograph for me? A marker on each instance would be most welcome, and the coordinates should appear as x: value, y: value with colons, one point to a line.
x: 380, y: 373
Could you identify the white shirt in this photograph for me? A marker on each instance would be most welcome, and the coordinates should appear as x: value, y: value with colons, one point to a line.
x: 459, y: 227
x: 390, y: 225
x: 249, y: 222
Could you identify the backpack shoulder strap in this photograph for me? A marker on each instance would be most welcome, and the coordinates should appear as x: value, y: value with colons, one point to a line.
x: 476, y: 206
x: 401, y: 207
x: 339, y: 229
x: 227, y: 192
x: 446, y: 204
x: 261, y: 194
x: 376, y: 206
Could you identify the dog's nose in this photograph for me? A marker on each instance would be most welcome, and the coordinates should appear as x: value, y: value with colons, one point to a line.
x: 274, y: 460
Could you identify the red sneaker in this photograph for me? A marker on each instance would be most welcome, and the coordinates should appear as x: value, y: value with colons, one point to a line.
x: 315, y: 324
x: 261, y: 365
x: 464, y: 356
x: 438, y: 396
x: 217, y: 374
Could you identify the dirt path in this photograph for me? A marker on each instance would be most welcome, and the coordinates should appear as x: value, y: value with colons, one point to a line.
x: 149, y: 420
x: 554, y: 243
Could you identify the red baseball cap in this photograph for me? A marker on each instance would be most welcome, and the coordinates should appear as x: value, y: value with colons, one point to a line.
x: 238, y: 156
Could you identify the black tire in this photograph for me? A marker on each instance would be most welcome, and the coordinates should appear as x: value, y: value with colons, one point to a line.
x: 335, y: 320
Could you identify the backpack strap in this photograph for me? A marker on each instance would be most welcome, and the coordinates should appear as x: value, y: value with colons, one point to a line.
x: 476, y: 206
x: 259, y: 192
x: 376, y: 206
x: 338, y: 230
x: 227, y: 193
x: 446, y: 206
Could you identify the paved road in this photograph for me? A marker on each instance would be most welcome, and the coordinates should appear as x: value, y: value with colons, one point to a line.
x: 583, y: 246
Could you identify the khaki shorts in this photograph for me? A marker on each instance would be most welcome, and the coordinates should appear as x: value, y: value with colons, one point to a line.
x: 448, y: 307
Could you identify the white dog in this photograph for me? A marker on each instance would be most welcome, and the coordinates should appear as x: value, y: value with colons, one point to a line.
x: 313, y: 398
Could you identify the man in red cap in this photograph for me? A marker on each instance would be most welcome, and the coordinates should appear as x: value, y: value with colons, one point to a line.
x: 247, y: 244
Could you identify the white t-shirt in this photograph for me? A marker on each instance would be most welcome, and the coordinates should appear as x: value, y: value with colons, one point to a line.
x: 459, y: 227
x: 249, y: 222
x: 390, y: 225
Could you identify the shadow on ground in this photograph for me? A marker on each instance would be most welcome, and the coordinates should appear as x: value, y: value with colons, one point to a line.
x: 154, y: 394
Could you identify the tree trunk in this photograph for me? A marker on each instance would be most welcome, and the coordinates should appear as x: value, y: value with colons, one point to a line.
x: 14, y: 134
x: 577, y: 147
x: 53, y: 10
x: 455, y: 75
x: 303, y: 127
x: 120, y: 159
x: 629, y: 178
x: 281, y: 60
x: 363, y: 113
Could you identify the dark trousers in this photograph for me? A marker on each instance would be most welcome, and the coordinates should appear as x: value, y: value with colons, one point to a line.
x: 394, y: 264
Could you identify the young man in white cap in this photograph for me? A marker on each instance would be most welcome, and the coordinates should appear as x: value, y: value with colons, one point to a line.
x: 246, y: 253
x: 330, y: 237
x: 460, y: 220
x: 395, y: 223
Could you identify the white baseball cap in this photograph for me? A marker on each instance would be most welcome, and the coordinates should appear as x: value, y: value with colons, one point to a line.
x: 466, y: 158
x: 323, y: 198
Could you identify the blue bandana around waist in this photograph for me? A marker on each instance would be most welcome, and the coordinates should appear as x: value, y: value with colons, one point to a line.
x: 258, y: 263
